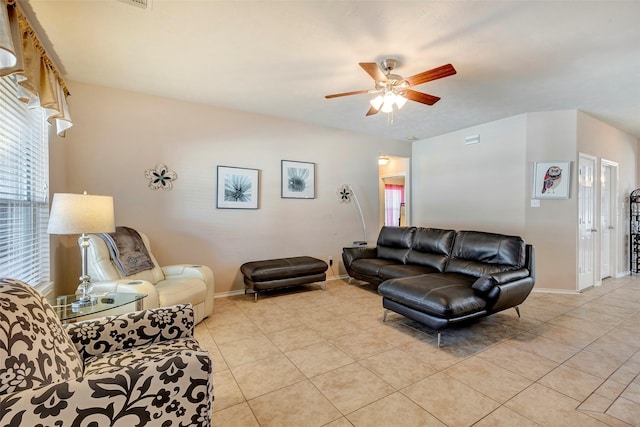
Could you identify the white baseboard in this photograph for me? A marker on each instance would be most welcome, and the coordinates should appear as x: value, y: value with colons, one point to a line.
x: 624, y: 273
x: 554, y: 291
x: 229, y: 294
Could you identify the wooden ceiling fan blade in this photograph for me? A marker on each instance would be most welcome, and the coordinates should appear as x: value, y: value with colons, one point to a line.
x: 421, y: 97
x: 372, y: 111
x: 434, y: 74
x: 357, y: 92
x: 374, y: 71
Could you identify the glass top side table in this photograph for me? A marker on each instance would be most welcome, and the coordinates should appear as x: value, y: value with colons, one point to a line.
x: 64, y: 310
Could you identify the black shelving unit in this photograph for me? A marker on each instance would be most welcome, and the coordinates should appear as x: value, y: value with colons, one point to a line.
x: 634, y: 231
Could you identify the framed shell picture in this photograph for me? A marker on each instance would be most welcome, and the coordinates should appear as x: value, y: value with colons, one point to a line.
x: 237, y: 188
x: 551, y: 180
x: 298, y: 180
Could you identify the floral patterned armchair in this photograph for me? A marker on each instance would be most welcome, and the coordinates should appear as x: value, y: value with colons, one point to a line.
x: 135, y: 369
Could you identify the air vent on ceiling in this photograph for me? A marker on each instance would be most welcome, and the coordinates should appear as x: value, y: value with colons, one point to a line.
x: 143, y: 4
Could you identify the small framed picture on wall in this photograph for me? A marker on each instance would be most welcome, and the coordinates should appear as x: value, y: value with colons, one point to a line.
x: 551, y: 180
x: 298, y: 180
x: 237, y: 188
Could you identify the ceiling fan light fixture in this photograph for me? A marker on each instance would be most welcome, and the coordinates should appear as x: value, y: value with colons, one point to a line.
x: 389, y: 100
x: 377, y: 102
x: 400, y: 101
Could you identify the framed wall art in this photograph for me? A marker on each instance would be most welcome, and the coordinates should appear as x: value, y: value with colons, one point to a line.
x: 551, y: 180
x: 237, y: 188
x: 298, y: 180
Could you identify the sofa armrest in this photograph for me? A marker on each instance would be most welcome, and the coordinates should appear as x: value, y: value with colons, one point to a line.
x: 350, y: 254
x: 191, y: 271
x: 173, y: 388
x: 510, y: 294
x: 510, y: 276
x: 179, y: 271
x: 112, y: 333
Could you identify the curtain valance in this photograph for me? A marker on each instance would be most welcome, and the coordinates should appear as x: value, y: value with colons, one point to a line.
x: 22, y: 54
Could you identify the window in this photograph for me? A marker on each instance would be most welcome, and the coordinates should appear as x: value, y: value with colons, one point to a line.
x: 24, y: 174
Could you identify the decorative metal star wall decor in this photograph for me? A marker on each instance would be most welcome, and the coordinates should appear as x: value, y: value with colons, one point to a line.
x: 161, y: 177
x: 345, y: 193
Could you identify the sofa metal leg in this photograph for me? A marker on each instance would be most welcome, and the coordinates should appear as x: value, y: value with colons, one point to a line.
x: 255, y: 297
x: 324, y: 286
x: 517, y: 310
x: 384, y: 317
x: 438, y: 339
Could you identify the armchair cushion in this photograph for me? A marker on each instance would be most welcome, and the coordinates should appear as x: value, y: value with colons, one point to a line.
x: 34, y: 349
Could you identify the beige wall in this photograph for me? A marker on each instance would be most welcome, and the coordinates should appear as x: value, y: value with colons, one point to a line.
x: 477, y: 187
x: 488, y: 186
x: 118, y: 135
x: 553, y: 227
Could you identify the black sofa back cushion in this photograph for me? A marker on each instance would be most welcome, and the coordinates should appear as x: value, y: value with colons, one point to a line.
x: 394, y: 242
x: 431, y: 247
x: 477, y: 253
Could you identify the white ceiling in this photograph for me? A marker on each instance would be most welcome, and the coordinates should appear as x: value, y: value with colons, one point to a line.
x: 281, y: 57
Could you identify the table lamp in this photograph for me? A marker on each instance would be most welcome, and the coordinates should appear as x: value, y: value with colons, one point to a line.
x: 81, y: 214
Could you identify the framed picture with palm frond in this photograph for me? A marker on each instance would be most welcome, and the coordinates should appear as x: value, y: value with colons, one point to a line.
x: 298, y: 180
x: 237, y: 188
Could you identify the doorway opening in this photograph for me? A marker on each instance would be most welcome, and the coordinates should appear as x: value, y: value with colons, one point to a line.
x: 394, y: 191
x: 394, y: 201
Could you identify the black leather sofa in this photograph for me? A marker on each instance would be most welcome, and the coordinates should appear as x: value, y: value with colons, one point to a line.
x: 439, y: 277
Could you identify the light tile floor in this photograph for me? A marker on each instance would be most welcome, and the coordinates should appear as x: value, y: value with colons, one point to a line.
x: 305, y: 357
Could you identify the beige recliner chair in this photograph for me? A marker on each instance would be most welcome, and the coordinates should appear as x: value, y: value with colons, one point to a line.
x: 165, y: 286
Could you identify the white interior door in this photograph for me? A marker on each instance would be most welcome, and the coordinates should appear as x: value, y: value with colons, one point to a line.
x: 608, y: 218
x: 586, y: 221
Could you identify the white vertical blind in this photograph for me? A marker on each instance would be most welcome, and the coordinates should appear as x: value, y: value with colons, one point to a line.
x: 24, y: 175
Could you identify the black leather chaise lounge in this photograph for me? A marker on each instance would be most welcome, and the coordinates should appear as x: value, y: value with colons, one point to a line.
x: 439, y: 277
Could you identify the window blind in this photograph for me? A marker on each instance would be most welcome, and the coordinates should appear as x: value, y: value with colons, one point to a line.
x: 24, y: 174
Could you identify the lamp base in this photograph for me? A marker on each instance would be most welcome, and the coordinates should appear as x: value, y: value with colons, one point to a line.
x: 84, y: 302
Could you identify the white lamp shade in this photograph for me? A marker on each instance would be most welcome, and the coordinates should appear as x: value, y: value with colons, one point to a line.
x: 377, y: 102
x: 81, y: 213
x: 400, y: 101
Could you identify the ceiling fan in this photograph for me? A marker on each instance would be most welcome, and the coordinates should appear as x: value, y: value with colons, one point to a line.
x: 393, y: 89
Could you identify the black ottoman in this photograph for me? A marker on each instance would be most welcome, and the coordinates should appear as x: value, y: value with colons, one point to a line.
x: 283, y: 272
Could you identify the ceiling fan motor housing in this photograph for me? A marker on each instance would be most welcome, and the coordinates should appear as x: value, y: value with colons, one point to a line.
x: 388, y: 65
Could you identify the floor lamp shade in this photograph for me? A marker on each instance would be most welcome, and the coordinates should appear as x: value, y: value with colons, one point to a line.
x: 81, y: 214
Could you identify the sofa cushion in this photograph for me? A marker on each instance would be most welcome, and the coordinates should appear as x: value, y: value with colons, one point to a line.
x: 439, y: 295
x: 394, y: 243
x: 431, y: 247
x: 477, y: 253
x: 371, y: 266
x: 394, y: 271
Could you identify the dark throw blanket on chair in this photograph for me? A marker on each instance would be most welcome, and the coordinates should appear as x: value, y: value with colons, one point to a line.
x: 127, y: 250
